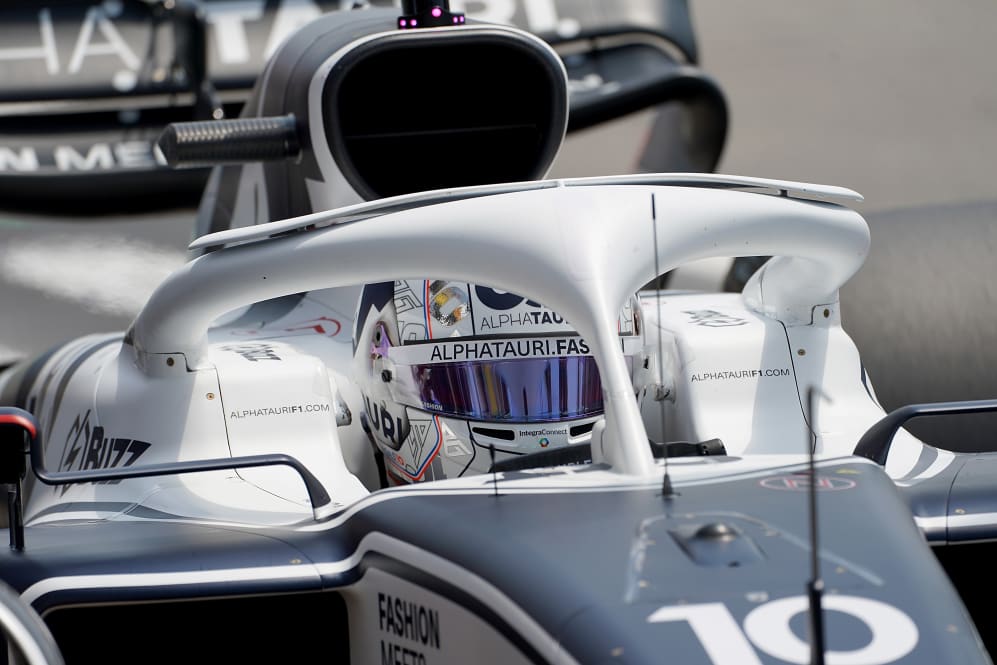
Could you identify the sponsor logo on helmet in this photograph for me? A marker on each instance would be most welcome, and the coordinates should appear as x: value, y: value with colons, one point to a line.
x: 505, y: 349
x: 501, y: 299
x: 382, y: 422
x: 498, y: 310
x: 543, y: 432
x: 449, y: 303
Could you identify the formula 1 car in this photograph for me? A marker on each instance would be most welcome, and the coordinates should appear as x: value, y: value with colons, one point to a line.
x: 150, y: 502
x: 89, y: 85
x: 741, y: 498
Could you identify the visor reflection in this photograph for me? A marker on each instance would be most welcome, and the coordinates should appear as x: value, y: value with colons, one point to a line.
x: 526, y: 390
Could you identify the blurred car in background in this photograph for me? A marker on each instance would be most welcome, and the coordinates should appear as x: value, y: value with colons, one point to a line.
x: 89, y: 86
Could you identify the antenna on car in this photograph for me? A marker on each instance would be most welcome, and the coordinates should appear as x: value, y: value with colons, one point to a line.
x: 491, y: 451
x: 667, y: 490
x: 815, y: 587
x: 428, y: 14
x: 190, y: 35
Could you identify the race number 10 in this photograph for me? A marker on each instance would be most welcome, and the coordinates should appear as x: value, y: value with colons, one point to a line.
x: 894, y: 634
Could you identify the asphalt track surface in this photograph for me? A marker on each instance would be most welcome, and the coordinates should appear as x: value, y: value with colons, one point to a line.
x: 894, y: 98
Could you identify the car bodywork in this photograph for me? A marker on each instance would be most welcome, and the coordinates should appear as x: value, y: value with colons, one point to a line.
x: 208, y: 469
x: 562, y: 564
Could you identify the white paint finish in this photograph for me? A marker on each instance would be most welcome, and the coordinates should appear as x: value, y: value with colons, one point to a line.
x: 276, y: 399
x: 578, y: 236
x: 180, y: 414
x: 361, y: 210
x: 894, y: 634
x: 715, y: 628
x: 54, y: 371
x: 931, y: 522
x: 353, y: 210
x: 130, y: 580
x: 905, y: 446
x: 956, y: 521
x: 734, y: 375
x: 826, y: 360
x: 746, y: 379
x: 791, y: 188
x: 320, y: 325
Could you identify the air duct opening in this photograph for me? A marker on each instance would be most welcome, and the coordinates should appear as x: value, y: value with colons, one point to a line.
x: 406, y: 117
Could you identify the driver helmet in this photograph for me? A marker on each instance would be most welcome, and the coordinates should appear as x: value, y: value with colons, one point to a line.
x: 452, y: 373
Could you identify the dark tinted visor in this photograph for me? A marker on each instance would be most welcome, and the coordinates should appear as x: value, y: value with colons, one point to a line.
x: 524, y: 390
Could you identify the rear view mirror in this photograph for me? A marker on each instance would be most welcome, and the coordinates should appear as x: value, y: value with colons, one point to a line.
x: 690, y: 124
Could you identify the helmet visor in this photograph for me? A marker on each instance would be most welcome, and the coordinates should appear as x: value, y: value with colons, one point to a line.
x: 524, y: 390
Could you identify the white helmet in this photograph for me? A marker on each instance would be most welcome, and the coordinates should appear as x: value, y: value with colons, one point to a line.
x: 449, y: 369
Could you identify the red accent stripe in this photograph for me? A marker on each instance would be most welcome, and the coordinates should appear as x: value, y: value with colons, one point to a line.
x: 14, y: 419
x: 421, y: 471
x: 425, y: 309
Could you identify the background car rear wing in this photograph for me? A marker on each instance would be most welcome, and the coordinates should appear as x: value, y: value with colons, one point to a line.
x: 89, y: 86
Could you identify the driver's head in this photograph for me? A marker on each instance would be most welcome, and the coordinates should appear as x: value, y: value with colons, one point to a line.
x: 449, y: 369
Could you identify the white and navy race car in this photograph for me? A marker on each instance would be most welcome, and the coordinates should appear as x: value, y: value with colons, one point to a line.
x: 321, y: 440
x: 214, y: 478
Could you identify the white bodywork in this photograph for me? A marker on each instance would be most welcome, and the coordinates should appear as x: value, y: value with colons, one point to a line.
x: 193, y: 382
